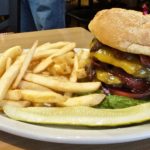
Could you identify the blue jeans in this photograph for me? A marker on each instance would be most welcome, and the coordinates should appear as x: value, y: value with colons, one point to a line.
x: 42, y: 14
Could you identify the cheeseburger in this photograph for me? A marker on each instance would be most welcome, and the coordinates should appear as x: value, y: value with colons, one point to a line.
x: 120, y: 52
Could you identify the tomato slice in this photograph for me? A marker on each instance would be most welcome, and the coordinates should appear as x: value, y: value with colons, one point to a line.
x: 146, y: 94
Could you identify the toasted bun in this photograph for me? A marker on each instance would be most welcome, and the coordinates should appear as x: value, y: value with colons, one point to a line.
x: 125, y: 30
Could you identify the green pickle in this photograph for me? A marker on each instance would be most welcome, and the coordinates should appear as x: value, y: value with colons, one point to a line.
x: 80, y: 116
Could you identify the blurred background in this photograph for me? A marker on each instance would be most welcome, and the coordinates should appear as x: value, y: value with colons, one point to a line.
x: 32, y: 15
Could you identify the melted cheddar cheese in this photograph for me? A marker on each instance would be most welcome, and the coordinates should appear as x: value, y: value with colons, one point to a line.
x: 131, y: 64
x: 107, y: 77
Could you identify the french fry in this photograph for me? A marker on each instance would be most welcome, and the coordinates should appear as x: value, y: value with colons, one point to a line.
x: 11, y: 102
x: 79, y: 53
x: 62, y: 64
x: 64, y: 58
x: 46, y: 73
x: 43, y: 46
x: 40, y: 54
x: 29, y: 71
x: 70, y: 61
x: 86, y: 100
x: 61, y: 86
x: 39, y: 48
x: 33, y: 64
x: 48, y: 46
x: 73, y: 76
x: 46, y: 76
x: 8, y: 63
x: 9, y: 76
x: 47, y: 104
x: 25, y: 85
x: 84, y: 57
x: 81, y: 73
x: 60, y: 69
x: 13, y: 95
x: 25, y: 64
x: 46, y: 62
x: 37, y: 104
x: 35, y: 96
x: 42, y: 96
x: 44, y: 53
x: 59, y: 78
x: 12, y: 53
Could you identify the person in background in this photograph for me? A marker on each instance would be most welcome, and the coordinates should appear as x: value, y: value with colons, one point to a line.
x: 42, y: 14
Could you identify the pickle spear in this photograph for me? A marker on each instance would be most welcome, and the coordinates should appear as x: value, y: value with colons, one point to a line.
x: 80, y: 116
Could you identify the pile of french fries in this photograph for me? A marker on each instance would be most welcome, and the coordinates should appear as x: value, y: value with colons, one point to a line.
x: 46, y: 76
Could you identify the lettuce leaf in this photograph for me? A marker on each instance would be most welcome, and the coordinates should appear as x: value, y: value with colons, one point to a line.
x: 115, y: 101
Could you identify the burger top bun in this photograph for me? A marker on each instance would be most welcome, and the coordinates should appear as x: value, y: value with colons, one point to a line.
x: 125, y: 30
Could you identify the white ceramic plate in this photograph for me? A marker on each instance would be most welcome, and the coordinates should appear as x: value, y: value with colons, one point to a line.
x: 74, y: 135
x: 61, y: 134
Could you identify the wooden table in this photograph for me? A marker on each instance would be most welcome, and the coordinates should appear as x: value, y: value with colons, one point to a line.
x: 82, y: 38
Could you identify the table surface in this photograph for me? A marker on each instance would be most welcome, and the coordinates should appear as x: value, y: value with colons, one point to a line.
x: 12, y: 142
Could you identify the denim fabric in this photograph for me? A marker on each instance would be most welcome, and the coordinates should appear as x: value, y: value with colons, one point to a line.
x: 42, y: 14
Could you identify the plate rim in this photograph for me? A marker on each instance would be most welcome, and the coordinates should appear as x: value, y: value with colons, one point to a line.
x: 75, y: 136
